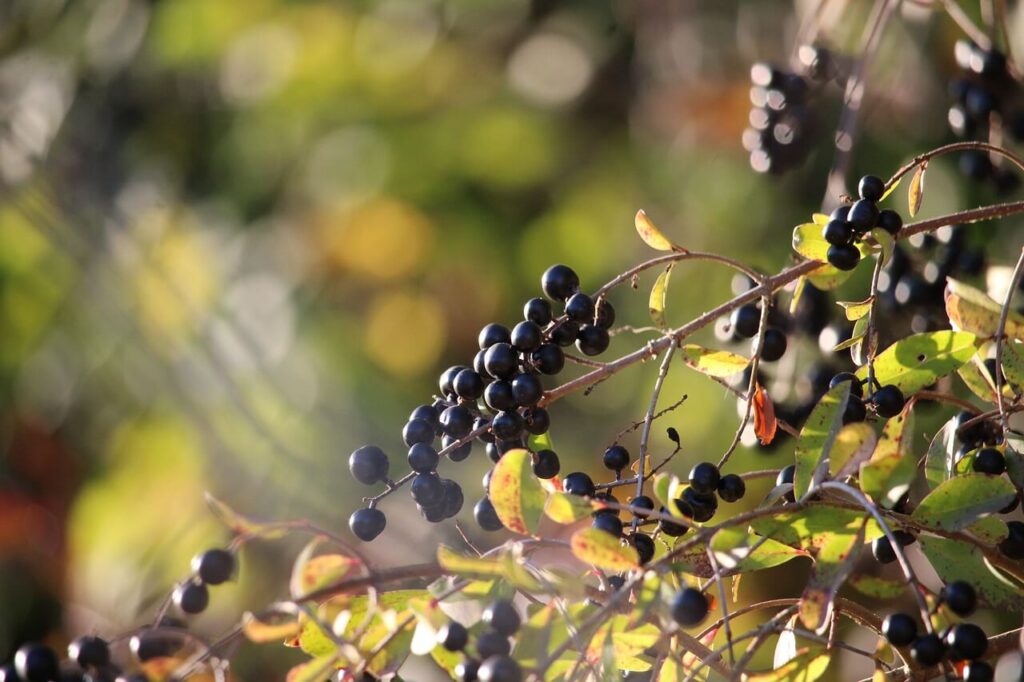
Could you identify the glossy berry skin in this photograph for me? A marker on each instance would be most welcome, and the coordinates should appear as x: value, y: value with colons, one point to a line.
x: 855, y: 411
x: 899, y: 628
x: 8, y: 673
x: 838, y: 232
x: 427, y: 489
x: 786, y: 475
x: 689, y: 607
x: 1013, y: 545
x: 703, y: 507
x: 366, y: 524
x: 580, y: 307
x: 463, y: 451
x: 453, y: 636
x: 466, y: 670
x: 609, y: 523
x: 856, y: 386
x: 966, y: 641
x: 978, y: 671
x: 605, y: 315
x: 960, y: 598
x: 192, y: 597
x: 499, y: 669
x: 456, y: 421
x: 642, y: 502
x: 526, y: 337
x: 537, y: 420
x: 904, y: 538
x: 501, y: 361
x: 368, y: 464
x: 882, y: 549
x: 704, y: 478
x: 559, y: 282
x: 446, y: 382
x: 644, y: 546
x: 871, y: 188
x: 989, y: 461
x: 927, y: 650
x: 616, y: 458
x: 485, y: 515
x: 546, y: 464
x: 468, y: 384
x: 579, y: 483
x: 731, y: 488
x: 89, y: 651
x: 417, y: 431
x: 507, y: 425
x: 503, y: 617
x: 453, y: 498
x: 774, y: 345
x: 565, y: 333
x: 592, y: 340
x: 422, y: 458
x: 538, y: 311
x: 499, y: 396
x: 527, y: 389
x: 840, y: 213
x: 492, y: 643
x: 214, y: 566
x: 492, y: 334
x: 36, y: 663
x: 670, y: 528
x: 616, y: 582
x: 890, y: 221
x: 888, y: 401
x: 745, y: 320
x: 863, y: 215
x: 843, y: 256
x: 548, y: 359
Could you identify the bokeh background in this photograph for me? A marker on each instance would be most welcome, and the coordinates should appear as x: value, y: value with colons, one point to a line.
x: 240, y: 239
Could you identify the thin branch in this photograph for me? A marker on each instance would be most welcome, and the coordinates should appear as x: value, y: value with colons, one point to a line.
x: 641, y: 472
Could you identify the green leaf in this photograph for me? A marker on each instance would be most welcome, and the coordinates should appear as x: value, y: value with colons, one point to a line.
x: 798, y: 292
x: 447, y: 660
x: 276, y: 628
x: 1014, y: 460
x: 818, y: 435
x: 854, y: 445
x: 627, y: 642
x: 318, y: 669
x: 1013, y: 364
x: 565, y: 508
x: 715, y: 363
x: 915, y: 193
x: 879, y: 588
x: 886, y: 243
x: 809, y: 528
x: 651, y: 235
x: 991, y: 530
x: 976, y: 379
x: 919, y: 360
x: 312, y: 573
x: 809, y: 665
x: 516, y: 492
x: 938, y: 463
x: 600, y: 549
x: 834, y: 560
x: 857, y: 309
x: 538, y: 442
x: 892, y: 188
x: 809, y: 243
x: 972, y: 310
x: 467, y: 566
x: 960, y: 501
x: 956, y: 560
x: 892, y: 467
x: 657, y: 300
x: 732, y: 548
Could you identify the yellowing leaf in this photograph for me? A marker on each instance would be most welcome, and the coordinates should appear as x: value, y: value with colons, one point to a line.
x: 261, y: 630
x: 658, y: 294
x: 602, y: 550
x: 857, y: 309
x: 516, y: 493
x: 715, y: 363
x: 807, y: 666
x: 818, y: 435
x: 320, y: 571
x: 919, y: 360
x: 972, y: 310
x: 651, y: 235
x: 854, y: 445
x: 891, y: 468
x: 892, y: 188
x: 467, y: 566
x: 915, y: 193
x: 960, y: 501
x: 567, y: 508
x: 765, y: 423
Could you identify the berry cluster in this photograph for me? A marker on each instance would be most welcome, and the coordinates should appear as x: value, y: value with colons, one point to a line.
x: 781, y: 123
x: 487, y: 656
x: 960, y: 642
x: 495, y: 399
x: 849, y: 223
x: 984, y: 90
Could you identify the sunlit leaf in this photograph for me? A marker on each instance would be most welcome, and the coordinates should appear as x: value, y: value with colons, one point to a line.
x: 879, y: 588
x: 891, y: 189
x: 853, y: 445
x: 798, y: 292
x: 818, y: 435
x: 820, y: 219
x: 892, y: 467
x: 566, y: 508
x: 960, y: 501
x: 765, y: 423
x: 807, y: 666
x: 1013, y: 365
x: 276, y: 628
x: 915, y: 193
x: 320, y: 571
x: 516, y: 493
x: 938, y: 463
x: 919, y: 360
x: 957, y: 560
x: 886, y: 243
x: 970, y: 309
x: 857, y: 309
x: 538, y: 442
x: 467, y: 566
x: 657, y: 299
x: 991, y: 530
x: 715, y: 363
x: 835, y: 558
x: 601, y: 549
x: 317, y: 670
x: 651, y: 235
x: 977, y: 380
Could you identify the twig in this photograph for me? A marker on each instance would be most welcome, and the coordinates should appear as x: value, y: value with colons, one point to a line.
x: 641, y: 473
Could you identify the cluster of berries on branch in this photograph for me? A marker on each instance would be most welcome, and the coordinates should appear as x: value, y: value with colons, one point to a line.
x: 849, y: 224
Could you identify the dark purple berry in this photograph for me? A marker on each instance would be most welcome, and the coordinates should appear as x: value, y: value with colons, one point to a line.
x: 559, y: 282
x: 366, y: 524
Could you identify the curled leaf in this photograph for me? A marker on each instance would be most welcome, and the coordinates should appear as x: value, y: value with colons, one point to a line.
x: 765, y: 424
x: 855, y: 310
x: 652, y: 236
x: 915, y: 193
x: 657, y: 300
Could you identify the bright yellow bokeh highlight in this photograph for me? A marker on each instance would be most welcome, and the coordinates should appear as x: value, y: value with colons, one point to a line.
x: 405, y: 332
x: 383, y: 240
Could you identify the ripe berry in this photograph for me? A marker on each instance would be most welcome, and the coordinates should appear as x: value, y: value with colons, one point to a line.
x: 960, y: 598
x: 422, y: 458
x: 671, y: 528
x: 731, y: 488
x: 592, y: 340
x: 453, y: 498
x: 1013, y: 545
x: 899, y: 628
x: 456, y: 421
x: 989, y: 461
x: 559, y: 282
x: 466, y: 670
x: 36, y: 663
x: 609, y: 523
x: 526, y: 337
x: 605, y: 315
x: 890, y: 221
x: 417, y: 431
x: 904, y: 538
x: 548, y: 359
x: 501, y: 361
x: 840, y: 213
x: 978, y: 671
x: 580, y: 307
x: 453, y: 636
x: 578, y: 483
x: 863, y: 215
x: 446, y: 382
x: 366, y: 524
x: 856, y: 386
x: 148, y: 644
x: 527, y: 389
x: 492, y: 643
x: 703, y: 506
x: 616, y: 458
x: 689, y: 607
x: 565, y: 333
x: 786, y: 475
x: 192, y: 597
x: 468, y: 384
x: 89, y: 651
x: 855, y: 410
x: 774, y: 345
x: 883, y: 551
x: 843, y: 256
x: 499, y: 396
x: 503, y: 617
x: 499, y: 669
x: 616, y: 582
x: 368, y: 464
x: 644, y: 546
x: 427, y: 489
x: 871, y: 188
x: 427, y: 413
x: 888, y: 401
x: 546, y: 464
x: 746, y: 320
x: 966, y: 641
x: 704, y: 478
x: 927, y: 650
x: 507, y: 425
x: 838, y: 232
x: 214, y: 566
x: 492, y: 334
x: 485, y: 515
x: 463, y: 451
x: 537, y: 420
x: 538, y: 311
x: 642, y: 502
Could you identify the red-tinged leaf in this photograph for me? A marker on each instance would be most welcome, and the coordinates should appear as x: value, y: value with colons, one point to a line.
x: 652, y: 236
x: 516, y: 492
x: 600, y: 549
x: 915, y: 194
x: 319, y: 571
x: 765, y: 423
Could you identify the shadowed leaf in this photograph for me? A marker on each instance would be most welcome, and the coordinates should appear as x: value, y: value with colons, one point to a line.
x: 956, y: 560
x: 960, y: 501
x: 516, y: 493
x: 915, y: 193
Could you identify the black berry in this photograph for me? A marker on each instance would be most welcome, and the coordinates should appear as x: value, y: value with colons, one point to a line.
x: 418, y: 431
x: 731, y: 488
x: 503, y: 617
x: 468, y: 384
x: 456, y: 421
x: 644, y: 546
x: 537, y: 420
x: 492, y: 643
x: 704, y: 478
x: 989, y: 461
x: 446, y: 382
x: 559, y: 282
x: 565, y: 333
x: 499, y: 396
x: 689, y: 607
x: 485, y: 515
x: 580, y: 307
x: 366, y: 524
x: 538, y: 311
x: 492, y: 334
x: 368, y: 464
x: 871, y: 188
x: 463, y: 451
x: 616, y: 458
x: 527, y: 389
x: 1013, y: 545
x: 605, y: 315
x: 966, y: 642
x: 36, y: 663
x: 499, y: 669
x: 927, y: 650
x: 838, y: 232
x: 856, y: 386
x: 883, y: 551
x: 578, y: 483
x: 214, y: 566
x: 501, y: 361
x: 899, y: 628
x: 863, y: 215
x: 774, y: 345
x: 843, y: 256
x: 526, y: 337
x: 192, y: 597
x: 960, y: 598
x: 453, y: 636
x: 507, y: 425
x: 548, y: 359
x: 671, y: 528
x: 978, y: 671
x: 466, y: 670
x: 592, y: 340
x: 890, y: 221
x: 89, y: 651
x: 888, y: 401
x: 609, y: 523
x: 422, y: 458
x: 546, y: 464
x: 427, y: 489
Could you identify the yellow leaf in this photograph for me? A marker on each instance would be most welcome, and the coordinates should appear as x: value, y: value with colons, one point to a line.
x: 658, y: 293
x: 566, y: 508
x: 652, y: 236
x: 915, y: 194
x: 857, y: 309
x: 260, y: 631
x: 516, y: 493
x: 601, y: 549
